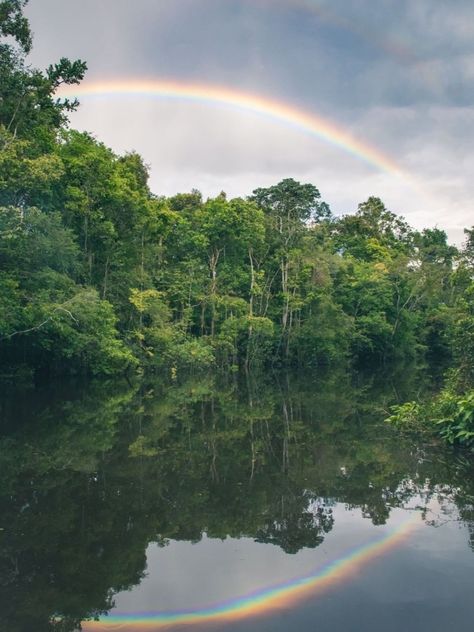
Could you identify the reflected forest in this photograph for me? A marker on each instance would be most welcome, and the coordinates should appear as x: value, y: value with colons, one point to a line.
x: 91, y: 476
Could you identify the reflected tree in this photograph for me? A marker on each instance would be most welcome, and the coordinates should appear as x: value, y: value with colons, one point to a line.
x: 91, y: 477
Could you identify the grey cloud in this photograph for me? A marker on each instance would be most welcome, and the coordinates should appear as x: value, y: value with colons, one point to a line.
x: 399, y: 75
x: 339, y: 54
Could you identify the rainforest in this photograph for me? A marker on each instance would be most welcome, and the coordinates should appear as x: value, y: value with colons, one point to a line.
x: 194, y: 384
x: 100, y: 276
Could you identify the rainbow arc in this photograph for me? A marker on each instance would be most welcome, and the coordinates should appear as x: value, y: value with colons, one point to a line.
x: 267, y: 600
x: 281, y: 112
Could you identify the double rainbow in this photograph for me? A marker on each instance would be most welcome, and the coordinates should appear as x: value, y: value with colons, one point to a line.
x: 263, y: 601
x: 395, y: 48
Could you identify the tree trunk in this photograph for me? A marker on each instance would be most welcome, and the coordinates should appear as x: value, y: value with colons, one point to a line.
x: 250, y: 329
x: 106, y: 276
x: 213, y: 260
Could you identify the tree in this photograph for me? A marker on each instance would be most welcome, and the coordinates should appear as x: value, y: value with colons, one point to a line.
x: 371, y: 230
x: 289, y: 207
x: 13, y: 23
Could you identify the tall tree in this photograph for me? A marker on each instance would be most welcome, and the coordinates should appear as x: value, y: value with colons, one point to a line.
x: 289, y: 208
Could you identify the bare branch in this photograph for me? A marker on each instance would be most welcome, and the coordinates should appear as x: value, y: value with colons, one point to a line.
x: 45, y: 322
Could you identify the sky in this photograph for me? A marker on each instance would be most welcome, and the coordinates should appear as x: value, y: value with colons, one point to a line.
x: 395, y: 75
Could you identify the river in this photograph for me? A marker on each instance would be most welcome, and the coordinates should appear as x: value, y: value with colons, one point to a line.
x: 258, y: 504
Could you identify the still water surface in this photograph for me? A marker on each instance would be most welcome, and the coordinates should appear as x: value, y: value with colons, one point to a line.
x: 271, y: 504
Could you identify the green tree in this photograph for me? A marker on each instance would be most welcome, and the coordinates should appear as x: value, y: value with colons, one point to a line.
x: 289, y: 208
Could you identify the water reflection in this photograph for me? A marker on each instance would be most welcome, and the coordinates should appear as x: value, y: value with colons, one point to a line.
x: 91, y: 476
x: 257, y: 589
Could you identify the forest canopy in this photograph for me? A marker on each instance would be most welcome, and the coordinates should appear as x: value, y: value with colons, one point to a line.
x: 98, y: 275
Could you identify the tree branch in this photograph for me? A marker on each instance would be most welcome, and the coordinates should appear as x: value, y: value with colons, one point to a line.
x: 45, y: 322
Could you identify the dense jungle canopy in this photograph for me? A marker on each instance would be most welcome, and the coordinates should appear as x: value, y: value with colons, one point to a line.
x: 98, y: 275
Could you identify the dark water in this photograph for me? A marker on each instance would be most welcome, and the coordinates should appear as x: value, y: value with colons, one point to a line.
x: 271, y: 504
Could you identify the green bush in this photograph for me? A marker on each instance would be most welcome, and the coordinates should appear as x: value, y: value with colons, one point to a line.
x: 450, y: 416
x: 456, y: 424
x: 407, y: 417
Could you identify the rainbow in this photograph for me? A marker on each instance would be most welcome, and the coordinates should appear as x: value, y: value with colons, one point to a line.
x: 266, y: 600
x: 306, y: 122
x: 394, y: 48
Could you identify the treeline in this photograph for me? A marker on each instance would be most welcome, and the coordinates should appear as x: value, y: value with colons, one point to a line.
x: 99, y: 275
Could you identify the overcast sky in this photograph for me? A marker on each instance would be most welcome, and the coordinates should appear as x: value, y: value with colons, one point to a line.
x: 397, y: 74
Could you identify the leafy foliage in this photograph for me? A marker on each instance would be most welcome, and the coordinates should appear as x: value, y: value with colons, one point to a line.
x: 99, y: 274
x: 450, y: 416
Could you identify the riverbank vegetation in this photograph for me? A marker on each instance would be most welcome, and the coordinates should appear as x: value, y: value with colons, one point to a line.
x: 450, y: 415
